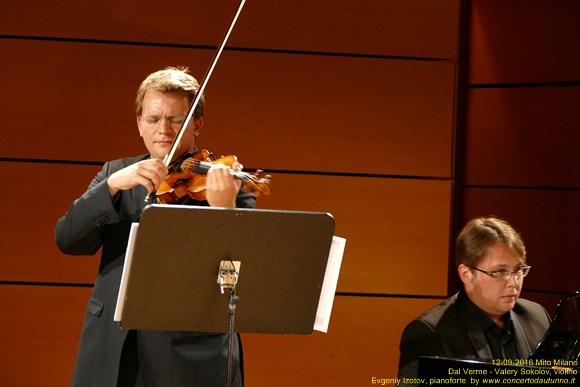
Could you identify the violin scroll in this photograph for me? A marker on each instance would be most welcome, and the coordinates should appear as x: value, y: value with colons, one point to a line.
x: 258, y: 183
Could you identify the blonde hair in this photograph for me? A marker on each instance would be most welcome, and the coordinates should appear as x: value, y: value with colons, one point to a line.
x: 171, y: 80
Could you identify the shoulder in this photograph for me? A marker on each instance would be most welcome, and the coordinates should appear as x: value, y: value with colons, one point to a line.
x: 432, y: 320
x: 125, y: 161
x: 433, y: 316
x: 527, y: 310
x: 113, y: 166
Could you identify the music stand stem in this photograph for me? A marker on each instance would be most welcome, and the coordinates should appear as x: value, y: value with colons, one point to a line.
x: 232, y: 301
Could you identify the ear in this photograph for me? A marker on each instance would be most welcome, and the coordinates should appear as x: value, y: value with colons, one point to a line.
x: 465, y: 273
x: 198, y: 124
x: 139, y: 127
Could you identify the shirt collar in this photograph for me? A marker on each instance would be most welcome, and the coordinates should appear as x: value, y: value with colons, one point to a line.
x: 487, y: 323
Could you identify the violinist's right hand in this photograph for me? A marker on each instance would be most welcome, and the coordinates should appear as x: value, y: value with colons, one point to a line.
x: 148, y: 173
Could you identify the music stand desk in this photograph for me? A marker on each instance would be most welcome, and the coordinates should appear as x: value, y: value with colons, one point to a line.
x: 172, y: 278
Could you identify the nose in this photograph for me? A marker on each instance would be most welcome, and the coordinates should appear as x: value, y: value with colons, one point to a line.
x: 515, y: 280
x: 165, y: 126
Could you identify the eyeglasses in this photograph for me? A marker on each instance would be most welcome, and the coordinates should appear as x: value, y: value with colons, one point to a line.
x: 153, y: 122
x: 520, y: 272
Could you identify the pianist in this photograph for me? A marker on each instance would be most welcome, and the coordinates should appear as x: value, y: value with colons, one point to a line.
x: 486, y: 320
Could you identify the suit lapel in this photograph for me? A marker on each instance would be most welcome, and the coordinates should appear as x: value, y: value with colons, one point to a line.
x: 522, y: 343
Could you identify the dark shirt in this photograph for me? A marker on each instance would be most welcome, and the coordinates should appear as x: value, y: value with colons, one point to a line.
x: 501, y: 341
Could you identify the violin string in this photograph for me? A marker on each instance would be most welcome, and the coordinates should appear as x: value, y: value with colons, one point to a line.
x: 255, y: 182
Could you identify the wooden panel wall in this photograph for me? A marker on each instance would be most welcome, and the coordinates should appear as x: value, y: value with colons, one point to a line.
x: 350, y: 106
x: 523, y: 132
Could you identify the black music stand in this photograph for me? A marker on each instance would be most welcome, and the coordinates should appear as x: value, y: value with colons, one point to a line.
x: 185, y: 257
x: 171, y: 283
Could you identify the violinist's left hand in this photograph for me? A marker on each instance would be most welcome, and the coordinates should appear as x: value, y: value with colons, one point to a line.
x: 221, y: 186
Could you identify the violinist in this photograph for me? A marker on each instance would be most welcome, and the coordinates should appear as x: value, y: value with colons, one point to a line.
x: 101, y: 218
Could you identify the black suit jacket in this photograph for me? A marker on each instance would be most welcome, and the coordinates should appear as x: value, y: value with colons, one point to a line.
x: 96, y: 221
x: 451, y: 329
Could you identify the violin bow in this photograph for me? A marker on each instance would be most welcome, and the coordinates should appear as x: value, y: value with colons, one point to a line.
x: 169, y: 156
x: 172, y: 150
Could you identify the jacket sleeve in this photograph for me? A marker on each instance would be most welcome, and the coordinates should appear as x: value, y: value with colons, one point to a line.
x: 79, y: 230
x: 418, y: 339
x: 245, y: 200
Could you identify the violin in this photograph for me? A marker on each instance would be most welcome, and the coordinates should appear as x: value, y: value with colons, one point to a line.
x: 187, y: 178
